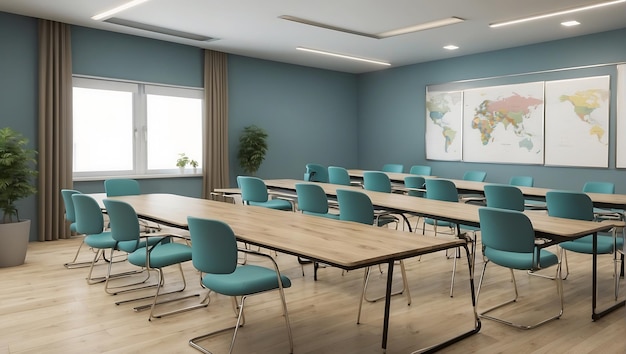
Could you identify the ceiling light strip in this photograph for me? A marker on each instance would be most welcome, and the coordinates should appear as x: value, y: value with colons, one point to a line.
x: 316, y: 51
x: 323, y: 25
x: 558, y: 13
x: 120, y: 8
x: 422, y: 27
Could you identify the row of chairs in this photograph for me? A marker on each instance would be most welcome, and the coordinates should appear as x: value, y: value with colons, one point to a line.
x: 339, y: 175
x: 211, y: 247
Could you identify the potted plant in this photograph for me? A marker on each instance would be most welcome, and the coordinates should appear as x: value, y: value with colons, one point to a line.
x: 194, y: 164
x: 16, y: 173
x: 183, y: 160
x: 252, y: 149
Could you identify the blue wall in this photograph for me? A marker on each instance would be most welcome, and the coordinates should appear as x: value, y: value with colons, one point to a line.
x: 311, y: 115
x: 18, y: 90
x: 392, y: 108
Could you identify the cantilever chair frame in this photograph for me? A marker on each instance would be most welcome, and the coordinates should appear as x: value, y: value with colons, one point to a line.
x: 70, y: 215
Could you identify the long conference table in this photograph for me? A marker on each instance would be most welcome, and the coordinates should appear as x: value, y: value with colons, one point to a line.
x: 553, y: 229
x: 345, y: 245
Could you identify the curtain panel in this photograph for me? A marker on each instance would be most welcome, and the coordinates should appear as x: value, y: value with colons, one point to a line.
x: 55, y: 128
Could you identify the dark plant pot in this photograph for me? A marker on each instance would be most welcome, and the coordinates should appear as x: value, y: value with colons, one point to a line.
x: 14, y: 239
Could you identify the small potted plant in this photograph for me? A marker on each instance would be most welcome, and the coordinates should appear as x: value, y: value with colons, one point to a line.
x: 182, y: 162
x: 16, y: 173
x: 252, y: 149
x: 194, y: 164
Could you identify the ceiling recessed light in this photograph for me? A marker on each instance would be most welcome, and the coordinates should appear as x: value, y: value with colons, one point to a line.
x: 316, y: 51
x: 450, y: 47
x: 120, y: 8
x: 570, y: 23
x: 557, y: 13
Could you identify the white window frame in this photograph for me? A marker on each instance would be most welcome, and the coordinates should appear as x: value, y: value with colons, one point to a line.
x: 140, y: 90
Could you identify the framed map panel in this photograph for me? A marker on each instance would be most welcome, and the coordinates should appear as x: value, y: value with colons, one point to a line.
x: 577, y: 122
x: 444, y: 125
x: 504, y: 124
x: 620, y: 143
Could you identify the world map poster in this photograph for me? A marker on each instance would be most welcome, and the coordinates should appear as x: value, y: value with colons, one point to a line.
x: 577, y: 122
x: 444, y: 125
x: 504, y: 124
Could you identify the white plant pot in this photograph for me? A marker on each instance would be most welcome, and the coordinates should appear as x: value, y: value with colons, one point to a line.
x: 14, y: 239
x: 182, y: 170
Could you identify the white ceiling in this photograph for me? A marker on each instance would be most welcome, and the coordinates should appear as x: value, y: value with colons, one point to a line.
x: 253, y: 27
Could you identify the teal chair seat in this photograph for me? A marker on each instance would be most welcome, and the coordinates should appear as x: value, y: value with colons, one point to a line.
x: 103, y: 240
x: 522, y: 261
x: 162, y: 255
x: 249, y: 280
x: 278, y: 204
x: 585, y: 244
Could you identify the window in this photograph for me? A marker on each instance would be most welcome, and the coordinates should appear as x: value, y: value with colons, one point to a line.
x: 123, y: 128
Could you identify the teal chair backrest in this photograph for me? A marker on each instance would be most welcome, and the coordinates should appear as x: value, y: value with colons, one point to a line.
x: 213, y: 246
x: 253, y: 189
x: 121, y: 186
x: 376, y: 181
x: 66, y: 194
x: 441, y: 189
x: 393, y: 167
x: 338, y: 175
x: 506, y: 230
x: 599, y: 187
x: 89, y: 219
x: 316, y: 173
x: 311, y: 198
x: 420, y: 170
x: 504, y: 197
x: 355, y: 206
x: 478, y: 176
x: 415, y: 182
x: 571, y: 205
x: 522, y: 181
x: 123, y: 220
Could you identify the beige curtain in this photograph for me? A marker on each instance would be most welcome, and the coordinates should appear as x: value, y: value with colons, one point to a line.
x: 215, y: 164
x: 55, y: 127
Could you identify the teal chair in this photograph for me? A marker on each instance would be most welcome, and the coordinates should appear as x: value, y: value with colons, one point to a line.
x: 603, y: 188
x: 421, y: 170
x: 70, y: 216
x: 578, y: 205
x: 445, y: 190
x: 478, y: 176
x: 312, y: 200
x: 121, y: 186
x: 356, y: 206
x: 504, y: 196
x: 214, y: 254
x: 316, y: 173
x: 378, y: 181
x: 393, y: 167
x: 254, y: 192
x: 412, y: 183
x: 90, y: 222
x: 508, y: 239
x: 522, y: 181
x: 338, y: 175
x: 161, y: 252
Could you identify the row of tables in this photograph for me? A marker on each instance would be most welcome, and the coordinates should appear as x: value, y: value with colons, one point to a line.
x: 348, y: 245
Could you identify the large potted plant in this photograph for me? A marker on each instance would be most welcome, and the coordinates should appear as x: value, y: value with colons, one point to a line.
x: 16, y: 173
x: 252, y: 148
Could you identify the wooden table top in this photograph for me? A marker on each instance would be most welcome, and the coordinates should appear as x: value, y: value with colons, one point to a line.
x: 599, y: 199
x: 545, y: 226
x: 339, y: 243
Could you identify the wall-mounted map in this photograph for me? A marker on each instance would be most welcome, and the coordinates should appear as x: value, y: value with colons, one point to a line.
x: 504, y: 124
x: 577, y: 122
x: 444, y: 125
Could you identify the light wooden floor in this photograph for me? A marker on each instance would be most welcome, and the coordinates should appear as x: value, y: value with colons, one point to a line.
x: 46, y: 308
